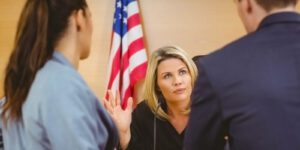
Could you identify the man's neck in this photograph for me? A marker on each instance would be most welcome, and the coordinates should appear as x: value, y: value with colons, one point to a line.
x: 279, y: 10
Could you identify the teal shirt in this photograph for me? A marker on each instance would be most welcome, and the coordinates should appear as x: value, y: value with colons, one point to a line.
x: 61, y: 113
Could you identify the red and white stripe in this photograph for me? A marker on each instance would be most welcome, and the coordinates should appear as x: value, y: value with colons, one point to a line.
x: 128, y: 58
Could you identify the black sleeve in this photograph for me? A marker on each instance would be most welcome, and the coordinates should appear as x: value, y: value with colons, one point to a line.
x: 135, y: 143
x: 140, y: 123
x: 205, y: 129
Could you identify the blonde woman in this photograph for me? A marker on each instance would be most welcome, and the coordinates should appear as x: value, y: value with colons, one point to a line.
x: 159, y: 121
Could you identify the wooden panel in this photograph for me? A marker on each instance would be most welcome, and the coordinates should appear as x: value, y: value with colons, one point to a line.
x: 198, y: 26
x: 9, y: 14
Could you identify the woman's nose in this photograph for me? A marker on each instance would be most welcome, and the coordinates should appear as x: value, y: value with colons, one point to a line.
x: 177, y: 80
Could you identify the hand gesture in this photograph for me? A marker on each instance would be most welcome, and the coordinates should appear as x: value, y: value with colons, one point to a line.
x: 122, y: 118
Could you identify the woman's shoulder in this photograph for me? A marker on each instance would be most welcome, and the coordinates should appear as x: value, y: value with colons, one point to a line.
x: 59, y: 77
x: 58, y: 71
x: 142, y: 110
x: 142, y: 105
x: 57, y: 84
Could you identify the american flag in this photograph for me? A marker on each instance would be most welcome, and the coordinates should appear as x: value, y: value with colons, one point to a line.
x: 128, y: 58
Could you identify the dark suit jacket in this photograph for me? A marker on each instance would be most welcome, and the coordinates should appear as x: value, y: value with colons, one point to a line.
x: 250, y: 91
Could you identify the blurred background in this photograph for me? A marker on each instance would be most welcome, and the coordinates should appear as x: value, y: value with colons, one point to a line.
x: 198, y: 26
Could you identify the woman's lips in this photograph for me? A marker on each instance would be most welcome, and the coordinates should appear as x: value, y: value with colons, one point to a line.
x: 179, y: 91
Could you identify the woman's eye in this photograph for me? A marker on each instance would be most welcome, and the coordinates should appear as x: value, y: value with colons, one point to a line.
x: 183, y: 72
x: 166, y: 76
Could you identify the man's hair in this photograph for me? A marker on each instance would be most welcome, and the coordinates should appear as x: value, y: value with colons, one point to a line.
x: 268, y: 5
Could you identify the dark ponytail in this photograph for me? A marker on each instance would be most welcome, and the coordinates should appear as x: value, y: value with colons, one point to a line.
x: 41, y: 24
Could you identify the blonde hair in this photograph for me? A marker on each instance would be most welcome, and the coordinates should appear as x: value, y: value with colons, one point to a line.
x: 151, y: 93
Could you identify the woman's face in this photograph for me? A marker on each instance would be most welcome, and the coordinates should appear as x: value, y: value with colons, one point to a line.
x: 174, y: 80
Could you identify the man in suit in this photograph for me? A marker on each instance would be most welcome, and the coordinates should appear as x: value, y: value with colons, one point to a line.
x: 250, y: 89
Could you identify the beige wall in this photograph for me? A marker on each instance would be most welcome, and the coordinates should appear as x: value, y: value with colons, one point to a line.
x: 198, y: 26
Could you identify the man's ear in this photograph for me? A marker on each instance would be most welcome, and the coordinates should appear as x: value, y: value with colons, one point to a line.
x: 249, y: 6
x: 246, y: 6
x: 80, y: 19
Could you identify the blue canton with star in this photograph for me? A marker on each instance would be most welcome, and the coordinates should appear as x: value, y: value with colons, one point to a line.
x: 120, y: 17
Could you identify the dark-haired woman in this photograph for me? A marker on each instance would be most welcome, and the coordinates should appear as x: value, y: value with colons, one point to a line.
x: 48, y: 104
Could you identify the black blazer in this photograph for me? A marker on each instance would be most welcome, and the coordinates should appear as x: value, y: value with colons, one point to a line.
x: 250, y: 91
x: 142, y: 131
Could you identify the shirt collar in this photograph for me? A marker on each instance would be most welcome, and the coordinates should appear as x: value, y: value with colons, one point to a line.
x: 282, y: 17
x: 60, y: 58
